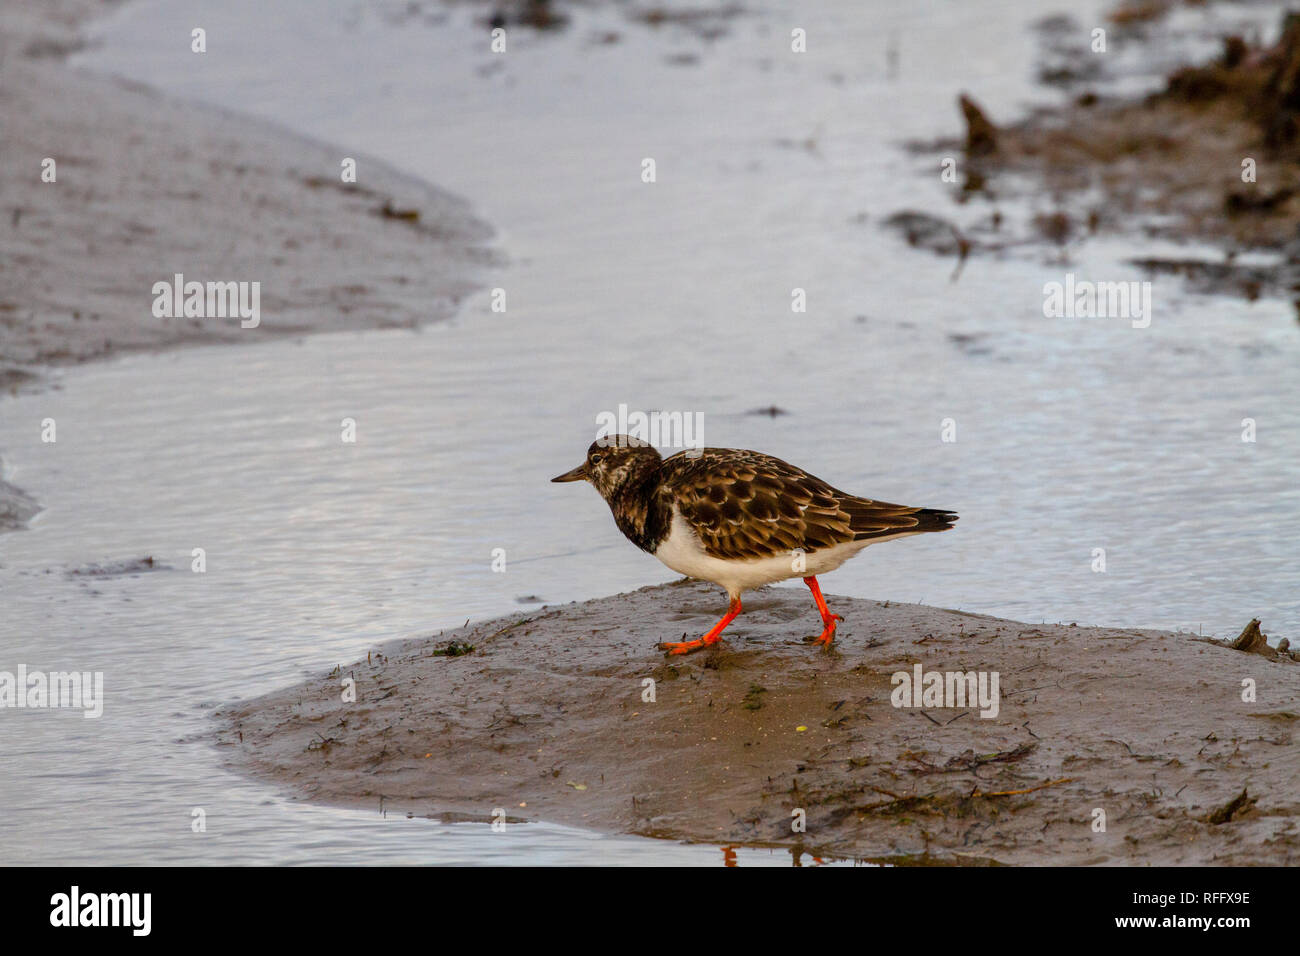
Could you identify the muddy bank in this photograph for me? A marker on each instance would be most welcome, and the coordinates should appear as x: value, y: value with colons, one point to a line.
x: 147, y: 188
x: 544, y: 715
x: 1212, y: 156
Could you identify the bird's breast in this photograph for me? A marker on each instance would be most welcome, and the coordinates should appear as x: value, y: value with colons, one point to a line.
x: 682, y: 551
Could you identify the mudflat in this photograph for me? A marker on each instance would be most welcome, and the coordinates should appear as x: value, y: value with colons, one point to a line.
x: 111, y: 188
x: 1108, y: 745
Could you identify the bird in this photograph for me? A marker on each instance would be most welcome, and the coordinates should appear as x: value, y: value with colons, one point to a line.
x: 740, y: 519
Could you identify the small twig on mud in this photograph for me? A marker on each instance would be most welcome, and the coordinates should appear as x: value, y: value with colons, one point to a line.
x: 1012, y: 793
x: 973, y: 761
x: 901, y: 803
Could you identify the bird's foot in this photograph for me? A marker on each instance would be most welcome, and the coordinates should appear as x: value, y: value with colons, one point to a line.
x: 709, y: 639
x: 685, y: 647
x: 828, y: 634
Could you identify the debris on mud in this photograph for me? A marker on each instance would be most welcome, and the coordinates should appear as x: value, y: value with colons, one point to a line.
x: 1253, y: 641
x: 1214, y: 156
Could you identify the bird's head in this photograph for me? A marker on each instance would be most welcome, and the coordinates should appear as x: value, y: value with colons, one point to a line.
x: 613, y: 462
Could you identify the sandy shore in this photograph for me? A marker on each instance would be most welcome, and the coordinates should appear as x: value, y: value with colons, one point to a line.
x: 148, y: 187
x: 546, y: 719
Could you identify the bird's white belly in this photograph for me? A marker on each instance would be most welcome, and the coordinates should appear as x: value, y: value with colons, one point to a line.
x: 682, y: 552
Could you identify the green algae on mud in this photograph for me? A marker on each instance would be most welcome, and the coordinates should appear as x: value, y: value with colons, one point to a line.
x: 570, y: 715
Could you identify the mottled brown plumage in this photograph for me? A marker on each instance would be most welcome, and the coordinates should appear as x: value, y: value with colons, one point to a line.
x: 745, y: 504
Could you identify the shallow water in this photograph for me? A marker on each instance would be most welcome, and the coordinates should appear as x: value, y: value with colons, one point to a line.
x: 1071, y: 434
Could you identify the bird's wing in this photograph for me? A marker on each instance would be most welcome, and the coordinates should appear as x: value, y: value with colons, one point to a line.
x: 745, y: 505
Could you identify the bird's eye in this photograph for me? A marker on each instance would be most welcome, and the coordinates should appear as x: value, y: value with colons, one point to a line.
x: 595, y: 459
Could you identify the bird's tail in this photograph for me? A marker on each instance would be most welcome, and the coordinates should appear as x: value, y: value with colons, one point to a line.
x: 934, y: 519
x: 880, y: 519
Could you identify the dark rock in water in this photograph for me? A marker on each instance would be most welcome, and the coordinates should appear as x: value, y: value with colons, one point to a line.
x: 1219, y: 277
x: 12, y: 378
x: 1234, y: 52
x: 981, y: 135
x: 1070, y: 73
x: 529, y: 599
x: 925, y: 231
x: 974, y: 182
x: 1056, y: 226
x: 16, y: 507
x: 389, y: 211
x: 537, y: 14
x: 971, y: 343
x: 119, y: 568
x: 1240, y: 202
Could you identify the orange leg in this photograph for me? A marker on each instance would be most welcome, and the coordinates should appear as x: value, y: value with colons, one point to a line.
x: 685, y: 647
x: 828, y: 619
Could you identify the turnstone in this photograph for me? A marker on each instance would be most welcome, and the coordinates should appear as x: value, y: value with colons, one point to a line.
x: 740, y: 519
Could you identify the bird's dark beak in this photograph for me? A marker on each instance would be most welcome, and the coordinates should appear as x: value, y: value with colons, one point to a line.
x: 578, y: 474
